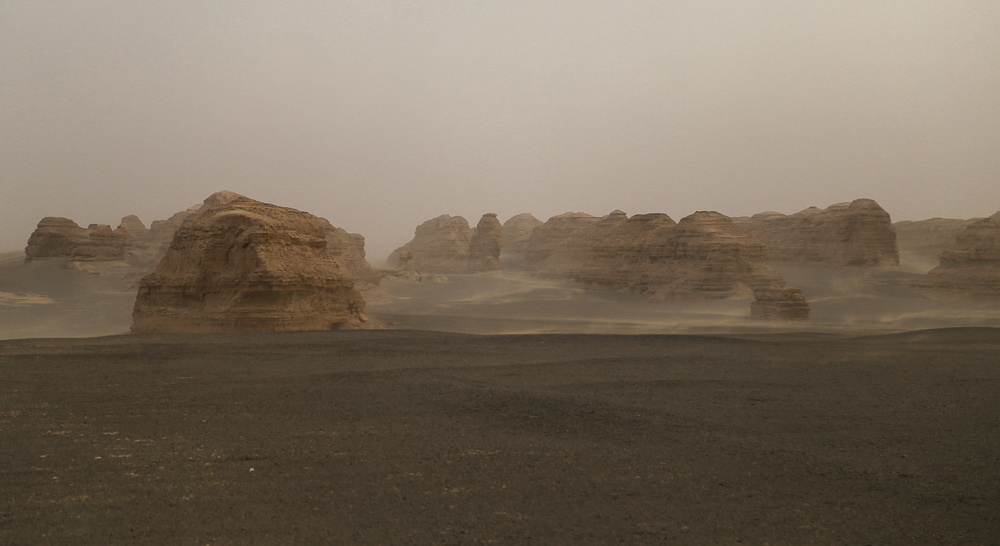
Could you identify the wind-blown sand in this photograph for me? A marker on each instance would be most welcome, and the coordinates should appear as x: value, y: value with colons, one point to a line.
x: 388, y: 437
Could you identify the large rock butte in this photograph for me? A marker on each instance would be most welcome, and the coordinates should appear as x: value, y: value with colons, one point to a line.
x: 486, y: 244
x: 703, y: 257
x: 971, y: 269
x: 248, y: 266
x: 855, y: 234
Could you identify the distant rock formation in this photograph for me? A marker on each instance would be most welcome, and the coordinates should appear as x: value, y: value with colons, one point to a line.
x: 54, y: 237
x: 855, y: 234
x: 102, y: 244
x: 552, y: 249
x: 405, y: 268
x: 784, y: 304
x: 928, y: 239
x: 348, y: 250
x: 248, y: 266
x: 971, y: 270
x: 516, y: 231
x: 439, y: 245
x: 485, y: 245
x: 133, y: 226
x: 704, y: 257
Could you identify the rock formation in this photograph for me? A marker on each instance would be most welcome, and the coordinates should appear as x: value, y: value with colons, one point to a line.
x: 855, y: 234
x: 54, y: 237
x: 927, y: 239
x: 784, y: 304
x: 971, y: 270
x: 439, y: 245
x: 102, y: 244
x: 485, y: 245
x: 161, y: 232
x: 516, y: 231
x: 132, y: 225
x: 248, y: 266
x: 348, y: 250
x: 550, y: 249
x: 704, y: 257
x: 405, y: 268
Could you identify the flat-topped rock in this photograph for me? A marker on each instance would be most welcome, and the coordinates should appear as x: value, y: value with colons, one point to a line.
x: 703, y: 257
x: 248, y: 266
x: 855, y: 234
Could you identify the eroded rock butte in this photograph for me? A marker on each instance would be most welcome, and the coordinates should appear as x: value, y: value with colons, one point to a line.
x: 244, y: 266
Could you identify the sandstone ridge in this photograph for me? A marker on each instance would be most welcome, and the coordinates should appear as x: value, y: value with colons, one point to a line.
x: 855, y: 234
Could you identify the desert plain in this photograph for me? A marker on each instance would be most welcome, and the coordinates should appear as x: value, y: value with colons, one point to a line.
x: 503, y: 409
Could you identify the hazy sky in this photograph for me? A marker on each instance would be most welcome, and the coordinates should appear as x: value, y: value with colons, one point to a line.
x: 379, y: 115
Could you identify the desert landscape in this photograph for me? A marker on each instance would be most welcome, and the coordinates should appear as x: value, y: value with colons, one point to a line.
x: 604, y: 379
x: 520, y: 272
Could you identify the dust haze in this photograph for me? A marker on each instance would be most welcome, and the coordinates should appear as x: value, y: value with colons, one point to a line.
x: 379, y: 115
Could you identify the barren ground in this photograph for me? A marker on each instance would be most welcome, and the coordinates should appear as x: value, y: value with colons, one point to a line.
x: 388, y: 437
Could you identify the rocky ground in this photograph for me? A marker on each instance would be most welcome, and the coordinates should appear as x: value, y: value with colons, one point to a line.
x: 389, y: 437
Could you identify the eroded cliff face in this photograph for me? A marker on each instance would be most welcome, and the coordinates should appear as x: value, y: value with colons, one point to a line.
x: 928, y: 239
x: 552, y: 248
x: 516, y: 231
x: 248, y: 266
x: 855, y: 234
x: 54, y: 237
x: 439, y: 245
x: 485, y: 245
x: 971, y: 270
x: 348, y: 250
x: 703, y: 257
x: 102, y: 244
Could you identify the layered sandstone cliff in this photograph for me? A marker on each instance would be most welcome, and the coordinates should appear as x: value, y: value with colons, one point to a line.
x: 703, y: 257
x: 552, y: 248
x: 928, y: 239
x: 971, y: 269
x: 855, y: 234
x: 485, y: 245
x: 516, y: 231
x: 248, y: 266
x: 54, y: 237
x: 102, y: 244
x: 439, y: 245
x: 348, y: 250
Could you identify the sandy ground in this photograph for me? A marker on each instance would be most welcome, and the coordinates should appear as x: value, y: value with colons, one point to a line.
x: 390, y: 437
x: 727, y: 431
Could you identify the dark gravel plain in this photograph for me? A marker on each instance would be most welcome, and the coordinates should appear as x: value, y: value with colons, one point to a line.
x: 394, y: 437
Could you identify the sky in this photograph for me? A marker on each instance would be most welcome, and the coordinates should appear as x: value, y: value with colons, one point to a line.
x: 378, y: 115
